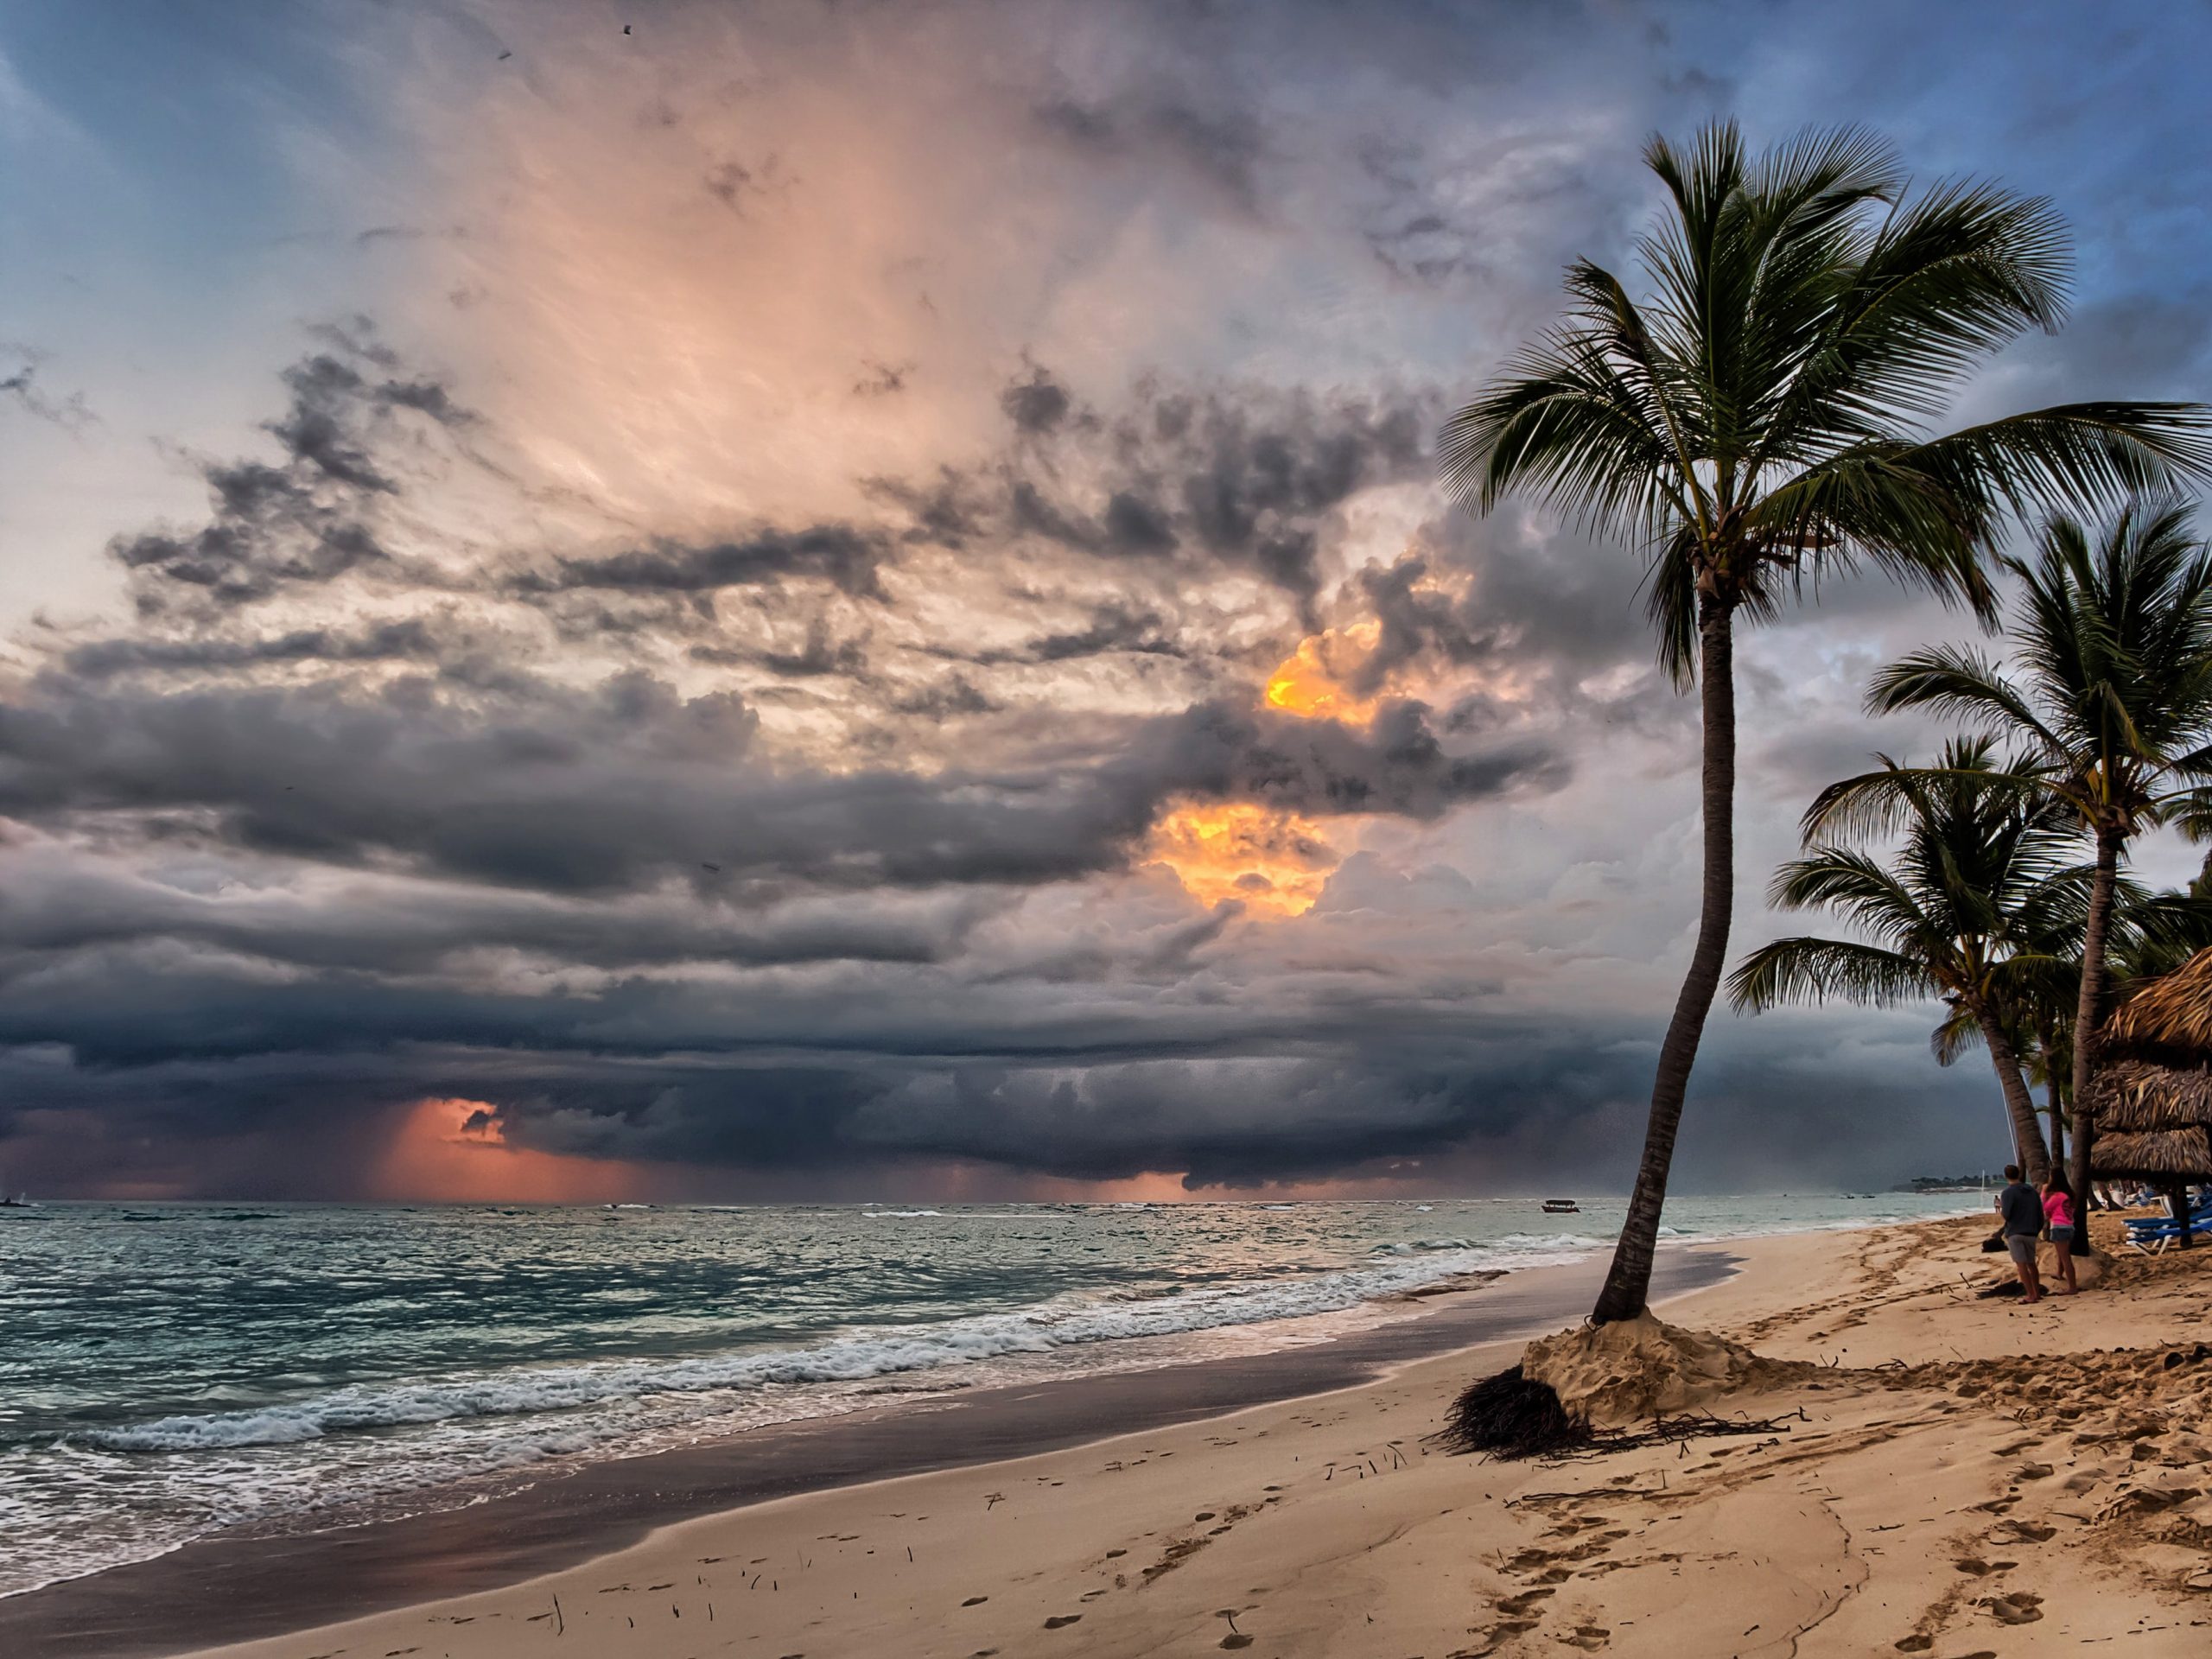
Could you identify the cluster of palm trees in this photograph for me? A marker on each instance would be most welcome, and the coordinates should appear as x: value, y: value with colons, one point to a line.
x: 2000, y: 894
x: 1763, y: 419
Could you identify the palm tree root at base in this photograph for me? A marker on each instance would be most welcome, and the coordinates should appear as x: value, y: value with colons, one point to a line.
x: 1508, y: 1416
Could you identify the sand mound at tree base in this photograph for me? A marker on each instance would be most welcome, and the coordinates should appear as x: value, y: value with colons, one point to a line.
x: 1632, y: 1370
x: 1609, y: 1387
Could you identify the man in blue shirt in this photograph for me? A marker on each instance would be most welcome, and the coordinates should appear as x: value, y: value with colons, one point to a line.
x: 2022, y: 1208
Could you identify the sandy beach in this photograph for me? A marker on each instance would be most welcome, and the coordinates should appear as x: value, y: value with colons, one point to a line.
x: 1956, y: 1476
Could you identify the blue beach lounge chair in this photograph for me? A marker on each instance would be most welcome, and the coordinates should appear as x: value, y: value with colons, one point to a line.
x: 2150, y: 1237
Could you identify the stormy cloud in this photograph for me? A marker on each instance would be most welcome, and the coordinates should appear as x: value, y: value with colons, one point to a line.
x: 848, y: 622
x: 628, y: 781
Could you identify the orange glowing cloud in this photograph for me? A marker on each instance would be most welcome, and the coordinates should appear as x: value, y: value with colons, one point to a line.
x: 1310, y: 682
x: 455, y: 1151
x: 1276, y: 861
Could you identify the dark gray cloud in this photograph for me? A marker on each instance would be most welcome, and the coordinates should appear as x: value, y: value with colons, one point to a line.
x: 377, y: 927
x: 1243, y: 478
x: 1112, y: 628
x: 820, y: 656
x: 314, y: 516
x: 1036, y: 402
x: 1222, y: 478
x: 1396, y: 766
x: 629, y: 782
x: 846, y: 556
x: 952, y: 509
x: 1437, y: 1097
x: 949, y: 698
x: 409, y: 639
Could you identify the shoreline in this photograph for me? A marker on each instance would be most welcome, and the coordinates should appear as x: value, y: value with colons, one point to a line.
x: 226, y: 1589
x: 1918, y: 1469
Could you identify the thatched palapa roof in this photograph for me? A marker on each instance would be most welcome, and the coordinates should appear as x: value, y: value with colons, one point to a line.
x: 2169, y: 1020
x: 2153, y: 1092
x: 2136, y: 1095
x: 2184, y: 1154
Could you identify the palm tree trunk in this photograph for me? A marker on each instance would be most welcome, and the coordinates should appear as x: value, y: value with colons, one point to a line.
x: 2085, y: 1019
x: 1628, y: 1281
x: 2027, y: 1131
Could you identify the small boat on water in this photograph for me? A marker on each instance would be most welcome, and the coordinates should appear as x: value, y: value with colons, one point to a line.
x: 21, y: 1201
x: 1561, y: 1207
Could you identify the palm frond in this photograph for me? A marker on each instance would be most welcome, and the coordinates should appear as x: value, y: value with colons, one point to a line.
x: 1962, y: 684
x: 1818, y: 970
x: 1755, y: 419
x: 2050, y: 459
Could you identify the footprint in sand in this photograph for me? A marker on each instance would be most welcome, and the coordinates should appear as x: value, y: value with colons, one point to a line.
x: 1525, y: 1602
x: 1914, y: 1644
x: 1059, y: 1621
x: 1588, y: 1638
x: 1238, y: 1640
x: 1505, y: 1630
x: 2015, y: 1608
x: 1975, y: 1569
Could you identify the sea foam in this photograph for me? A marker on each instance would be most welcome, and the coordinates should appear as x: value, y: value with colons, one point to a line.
x: 1063, y: 1323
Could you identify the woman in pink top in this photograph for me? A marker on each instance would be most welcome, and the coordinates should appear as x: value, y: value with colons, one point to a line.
x: 2058, y: 1223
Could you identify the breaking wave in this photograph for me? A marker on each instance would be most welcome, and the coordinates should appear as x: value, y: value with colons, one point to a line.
x: 883, y: 1352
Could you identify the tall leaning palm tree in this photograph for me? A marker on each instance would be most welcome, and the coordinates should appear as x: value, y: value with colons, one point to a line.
x: 1763, y: 419
x: 1955, y: 915
x: 2112, y: 699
